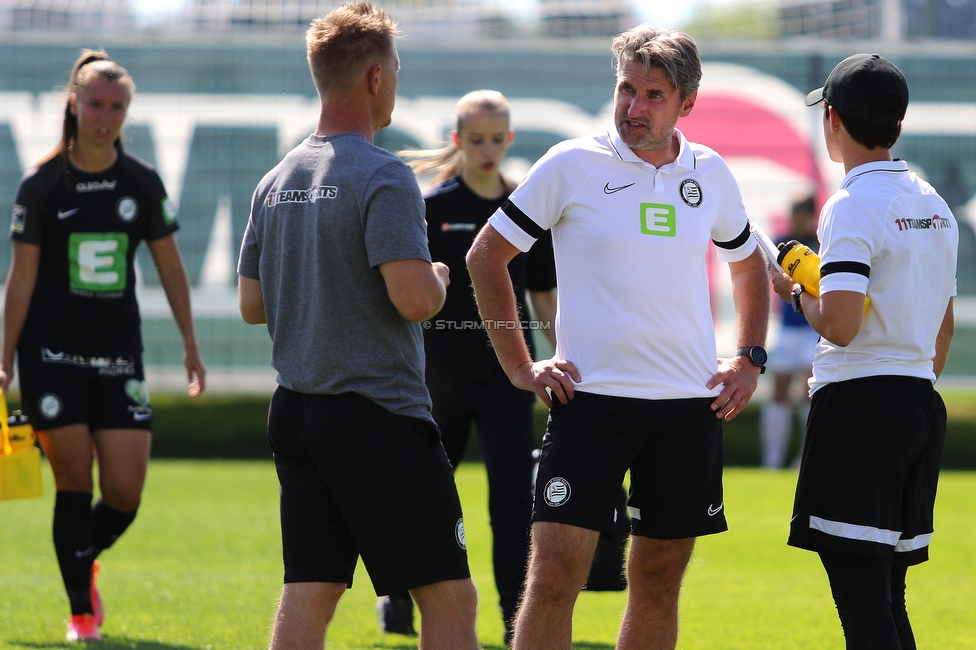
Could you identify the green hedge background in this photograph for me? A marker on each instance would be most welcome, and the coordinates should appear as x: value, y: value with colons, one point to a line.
x: 234, y: 426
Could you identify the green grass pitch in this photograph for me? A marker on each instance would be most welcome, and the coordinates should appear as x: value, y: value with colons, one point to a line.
x: 201, y: 568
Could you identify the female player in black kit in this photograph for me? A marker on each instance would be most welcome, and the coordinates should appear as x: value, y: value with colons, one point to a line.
x: 467, y: 385
x: 71, y: 315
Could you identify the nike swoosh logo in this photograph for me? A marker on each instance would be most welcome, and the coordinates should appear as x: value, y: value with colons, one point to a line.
x: 141, y: 417
x: 67, y: 213
x: 85, y: 553
x: 610, y: 190
x: 714, y: 511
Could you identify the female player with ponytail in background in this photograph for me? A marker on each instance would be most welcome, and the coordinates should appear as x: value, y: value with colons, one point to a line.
x: 70, y: 313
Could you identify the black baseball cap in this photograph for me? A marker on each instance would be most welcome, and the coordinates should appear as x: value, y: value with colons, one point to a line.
x: 857, y: 81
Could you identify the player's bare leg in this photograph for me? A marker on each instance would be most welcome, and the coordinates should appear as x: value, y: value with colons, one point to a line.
x: 558, y: 566
x: 448, y: 611
x: 123, y: 459
x: 71, y: 455
x: 654, y: 570
x: 304, y: 613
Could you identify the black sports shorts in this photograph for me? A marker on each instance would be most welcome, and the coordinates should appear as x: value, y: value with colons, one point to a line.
x: 870, y: 468
x: 672, y: 447
x: 356, y: 480
x: 59, y: 388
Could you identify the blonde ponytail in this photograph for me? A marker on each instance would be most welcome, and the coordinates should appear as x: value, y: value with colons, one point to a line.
x: 444, y: 163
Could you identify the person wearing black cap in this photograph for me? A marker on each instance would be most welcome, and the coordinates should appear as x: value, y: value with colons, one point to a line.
x: 870, y: 466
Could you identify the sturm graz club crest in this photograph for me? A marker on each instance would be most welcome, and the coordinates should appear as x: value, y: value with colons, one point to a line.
x: 127, y: 208
x: 50, y: 406
x: 557, y: 492
x: 691, y: 192
x: 459, y: 535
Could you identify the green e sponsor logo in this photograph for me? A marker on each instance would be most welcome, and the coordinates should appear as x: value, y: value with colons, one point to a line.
x: 169, y: 210
x: 658, y: 219
x: 97, y: 260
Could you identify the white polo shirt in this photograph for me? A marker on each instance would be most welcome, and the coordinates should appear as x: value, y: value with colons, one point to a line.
x: 888, y: 234
x: 630, y: 243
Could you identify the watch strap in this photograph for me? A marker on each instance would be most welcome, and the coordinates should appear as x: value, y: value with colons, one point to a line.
x: 795, y: 301
x: 747, y: 353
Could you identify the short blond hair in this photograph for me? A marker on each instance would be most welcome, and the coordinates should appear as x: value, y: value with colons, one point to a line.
x: 348, y: 40
x: 671, y: 50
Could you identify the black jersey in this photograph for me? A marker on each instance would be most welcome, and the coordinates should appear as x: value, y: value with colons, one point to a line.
x: 461, y: 365
x: 88, y: 227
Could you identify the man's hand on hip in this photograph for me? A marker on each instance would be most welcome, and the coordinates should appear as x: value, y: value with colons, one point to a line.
x: 740, y: 378
x: 558, y: 375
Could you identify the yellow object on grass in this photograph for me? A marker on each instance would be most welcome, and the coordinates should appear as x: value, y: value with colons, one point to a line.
x: 20, y: 459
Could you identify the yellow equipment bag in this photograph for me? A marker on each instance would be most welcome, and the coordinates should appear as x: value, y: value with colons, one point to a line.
x: 20, y: 460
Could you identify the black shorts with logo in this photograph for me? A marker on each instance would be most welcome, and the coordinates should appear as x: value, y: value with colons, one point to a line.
x: 59, y: 388
x: 356, y: 480
x: 673, y: 449
x: 870, y: 468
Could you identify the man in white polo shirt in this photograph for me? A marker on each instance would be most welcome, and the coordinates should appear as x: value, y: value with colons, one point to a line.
x: 870, y: 465
x: 635, y: 383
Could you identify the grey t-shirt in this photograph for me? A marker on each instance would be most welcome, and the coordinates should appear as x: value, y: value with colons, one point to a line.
x: 322, y: 221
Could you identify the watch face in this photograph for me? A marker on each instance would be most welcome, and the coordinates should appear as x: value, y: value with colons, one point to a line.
x: 759, y: 355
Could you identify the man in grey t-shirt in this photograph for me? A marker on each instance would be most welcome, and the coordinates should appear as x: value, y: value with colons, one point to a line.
x: 333, y: 212
x: 335, y: 261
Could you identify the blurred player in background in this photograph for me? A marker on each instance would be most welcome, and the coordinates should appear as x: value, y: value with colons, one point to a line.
x: 793, y: 356
x: 635, y: 383
x: 467, y: 386
x: 71, y: 315
x: 335, y: 260
x: 866, y: 489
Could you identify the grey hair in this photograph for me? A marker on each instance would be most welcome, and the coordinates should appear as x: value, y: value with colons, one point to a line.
x: 670, y: 49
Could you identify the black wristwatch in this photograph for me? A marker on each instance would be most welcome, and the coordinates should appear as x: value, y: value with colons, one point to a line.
x: 756, y: 355
x: 795, y: 298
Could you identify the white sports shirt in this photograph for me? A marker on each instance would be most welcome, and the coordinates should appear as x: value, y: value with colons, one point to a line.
x: 630, y: 242
x: 888, y: 234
